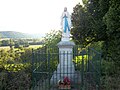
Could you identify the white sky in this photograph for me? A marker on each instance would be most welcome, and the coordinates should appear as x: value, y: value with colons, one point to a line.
x: 33, y: 16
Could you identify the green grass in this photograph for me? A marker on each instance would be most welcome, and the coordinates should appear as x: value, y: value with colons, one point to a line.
x: 35, y: 46
x: 31, y: 46
x: 5, y: 47
x: 78, y: 59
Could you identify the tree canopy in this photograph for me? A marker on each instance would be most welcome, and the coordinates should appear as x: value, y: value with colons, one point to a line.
x: 52, y: 38
x: 97, y: 20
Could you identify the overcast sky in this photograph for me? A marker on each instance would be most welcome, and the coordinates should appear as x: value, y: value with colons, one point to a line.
x: 33, y: 16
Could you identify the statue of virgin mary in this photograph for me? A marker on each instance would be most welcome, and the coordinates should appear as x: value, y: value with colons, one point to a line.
x: 65, y: 23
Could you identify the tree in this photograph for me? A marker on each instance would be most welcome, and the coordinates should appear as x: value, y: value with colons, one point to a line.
x: 11, y: 43
x: 0, y: 43
x: 52, y: 38
x: 88, y: 25
x: 5, y: 42
x: 82, y: 31
x: 112, y: 21
x: 104, y: 25
x: 17, y: 45
x: 97, y: 21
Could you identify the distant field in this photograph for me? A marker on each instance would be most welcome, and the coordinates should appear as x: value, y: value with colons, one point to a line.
x: 35, y: 46
x: 31, y: 46
x: 4, y: 47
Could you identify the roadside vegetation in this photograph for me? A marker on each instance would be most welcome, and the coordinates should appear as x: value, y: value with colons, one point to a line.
x: 96, y: 24
x: 15, y: 63
x: 15, y: 69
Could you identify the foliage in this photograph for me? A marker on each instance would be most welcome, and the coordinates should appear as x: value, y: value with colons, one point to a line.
x: 98, y: 23
x: 97, y: 45
x: 87, y: 23
x: 14, y: 81
x: 20, y: 81
x: 85, y: 1
x: 81, y: 30
x: 110, y: 83
x: 3, y: 80
x: 20, y: 42
x: 50, y: 46
x: 78, y: 59
x: 111, y: 19
x: 47, y: 54
x: 108, y: 68
x: 52, y: 38
x: 17, y: 46
x: 15, y: 69
x: 5, y: 42
x: 0, y: 43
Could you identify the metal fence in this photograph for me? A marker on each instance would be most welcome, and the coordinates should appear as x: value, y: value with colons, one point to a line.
x: 87, y: 63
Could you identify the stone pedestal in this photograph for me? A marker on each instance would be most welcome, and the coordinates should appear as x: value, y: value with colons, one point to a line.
x: 65, y: 36
x: 65, y: 67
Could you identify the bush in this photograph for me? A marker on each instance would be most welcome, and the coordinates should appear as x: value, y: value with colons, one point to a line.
x: 20, y: 81
x: 16, y: 46
x: 108, y: 68
x: 15, y: 73
x: 3, y: 80
x: 110, y: 79
x: 110, y: 83
x: 97, y: 45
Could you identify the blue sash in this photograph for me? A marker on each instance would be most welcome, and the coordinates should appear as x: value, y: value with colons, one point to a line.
x: 66, y: 26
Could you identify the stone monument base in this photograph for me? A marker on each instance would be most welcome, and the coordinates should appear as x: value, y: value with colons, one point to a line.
x: 65, y: 67
x: 62, y: 72
x: 76, y: 78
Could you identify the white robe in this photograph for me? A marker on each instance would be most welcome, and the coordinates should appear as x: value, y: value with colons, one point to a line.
x: 63, y: 22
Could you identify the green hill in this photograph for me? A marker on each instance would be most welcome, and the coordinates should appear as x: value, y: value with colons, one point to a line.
x: 13, y: 34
